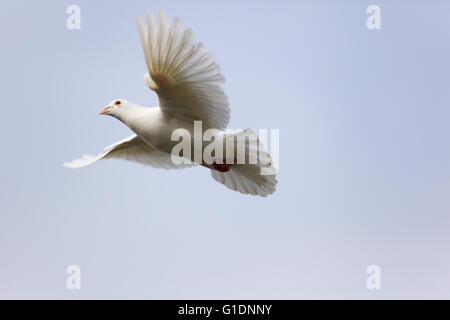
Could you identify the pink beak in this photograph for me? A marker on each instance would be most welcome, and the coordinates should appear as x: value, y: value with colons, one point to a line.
x: 103, y: 111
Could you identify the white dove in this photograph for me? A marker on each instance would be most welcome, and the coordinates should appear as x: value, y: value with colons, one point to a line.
x: 187, y: 82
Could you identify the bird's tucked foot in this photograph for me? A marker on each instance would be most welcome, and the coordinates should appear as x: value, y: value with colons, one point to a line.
x: 221, y: 167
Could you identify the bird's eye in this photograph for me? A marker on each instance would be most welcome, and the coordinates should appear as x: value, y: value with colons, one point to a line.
x: 117, y: 102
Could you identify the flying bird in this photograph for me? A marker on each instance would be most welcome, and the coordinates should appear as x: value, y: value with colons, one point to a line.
x: 188, y: 84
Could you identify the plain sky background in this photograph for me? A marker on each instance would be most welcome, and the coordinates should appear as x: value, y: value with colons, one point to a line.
x: 364, y: 154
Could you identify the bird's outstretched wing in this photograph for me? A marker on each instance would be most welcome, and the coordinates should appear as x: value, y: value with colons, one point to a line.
x: 132, y: 149
x: 186, y: 79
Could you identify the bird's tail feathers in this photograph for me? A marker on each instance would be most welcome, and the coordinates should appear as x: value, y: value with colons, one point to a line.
x: 256, y: 176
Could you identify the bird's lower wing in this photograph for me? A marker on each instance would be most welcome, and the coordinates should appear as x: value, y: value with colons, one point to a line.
x: 132, y: 149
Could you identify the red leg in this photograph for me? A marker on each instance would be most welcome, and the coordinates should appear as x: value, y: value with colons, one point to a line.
x: 221, y: 167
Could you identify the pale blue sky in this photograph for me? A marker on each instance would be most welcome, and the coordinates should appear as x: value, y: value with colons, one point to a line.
x: 364, y: 154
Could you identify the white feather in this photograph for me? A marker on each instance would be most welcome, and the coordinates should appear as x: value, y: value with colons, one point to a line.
x: 248, y: 178
x: 132, y: 149
x: 186, y: 79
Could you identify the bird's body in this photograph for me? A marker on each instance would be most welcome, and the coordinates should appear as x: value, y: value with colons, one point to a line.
x: 154, y: 127
x: 187, y: 82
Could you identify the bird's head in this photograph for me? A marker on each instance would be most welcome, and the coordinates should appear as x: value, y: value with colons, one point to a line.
x: 123, y: 110
x: 116, y: 107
